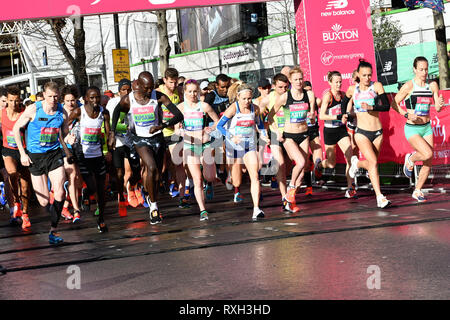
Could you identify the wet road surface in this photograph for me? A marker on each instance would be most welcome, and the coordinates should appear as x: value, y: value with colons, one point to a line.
x: 322, y: 252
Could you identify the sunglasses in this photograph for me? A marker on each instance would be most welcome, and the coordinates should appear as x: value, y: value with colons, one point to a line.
x: 191, y: 81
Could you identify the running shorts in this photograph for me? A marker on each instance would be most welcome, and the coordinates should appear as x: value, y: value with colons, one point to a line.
x: 422, y: 130
x: 43, y: 163
x: 332, y: 136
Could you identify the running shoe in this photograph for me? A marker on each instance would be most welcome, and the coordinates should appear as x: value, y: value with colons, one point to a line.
x: 238, y: 197
x: 184, y: 204
x: 139, y: 196
x: 132, y: 199
x: 308, y: 191
x: 290, y: 207
x: 146, y: 204
x: 17, y: 210
x: 418, y: 195
x: 408, y: 167
x: 13, y: 221
x: 354, y: 167
x: 54, y: 238
x: 173, y: 190
x: 274, y: 183
x: 351, y: 193
x: 102, y: 228
x: 122, y: 208
x: 3, y: 200
x: 317, y: 171
x: 155, y: 217
x: 203, y: 215
x: 257, y: 214
x: 25, y: 221
x: 65, y: 214
x: 228, y: 183
x: 187, y: 192
x: 209, y: 191
x: 85, y: 202
x: 77, y: 216
x: 290, y: 195
x: 382, y: 202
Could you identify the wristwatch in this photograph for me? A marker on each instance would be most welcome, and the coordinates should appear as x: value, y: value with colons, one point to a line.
x: 406, y: 115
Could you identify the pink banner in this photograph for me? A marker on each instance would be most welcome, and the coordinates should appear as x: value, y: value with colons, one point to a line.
x: 32, y: 9
x: 333, y: 35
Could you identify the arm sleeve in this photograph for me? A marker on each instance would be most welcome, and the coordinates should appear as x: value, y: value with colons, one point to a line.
x: 344, y: 103
x: 115, y: 118
x: 178, y: 116
x: 221, y: 126
x: 381, y: 103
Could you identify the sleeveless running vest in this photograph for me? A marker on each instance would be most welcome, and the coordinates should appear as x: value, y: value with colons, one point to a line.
x: 279, y: 116
x: 194, y: 118
x: 420, y: 99
x: 243, y: 124
x: 297, y: 109
x: 143, y: 117
x: 7, y: 131
x: 367, y: 96
x: 220, y: 104
x: 334, y: 109
x: 43, y: 131
x: 167, y: 115
x: 90, y: 134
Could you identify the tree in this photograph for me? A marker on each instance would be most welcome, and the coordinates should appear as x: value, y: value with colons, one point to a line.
x: 164, y: 46
x: 386, y: 32
x: 283, y: 13
x: 78, y: 62
x: 441, y: 44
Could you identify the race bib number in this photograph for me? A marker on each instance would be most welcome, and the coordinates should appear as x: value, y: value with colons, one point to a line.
x: 280, y: 118
x: 298, y: 112
x: 144, y: 116
x: 49, y: 137
x: 423, y: 106
x: 244, y: 127
x: 193, y: 121
x: 10, y: 140
x: 91, y: 136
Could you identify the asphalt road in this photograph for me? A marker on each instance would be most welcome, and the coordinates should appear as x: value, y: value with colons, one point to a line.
x: 334, y: 248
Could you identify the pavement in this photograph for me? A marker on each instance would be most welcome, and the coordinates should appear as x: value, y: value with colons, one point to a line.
x: 334, y: 248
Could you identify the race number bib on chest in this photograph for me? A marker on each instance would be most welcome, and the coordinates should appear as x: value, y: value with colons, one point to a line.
x: 49, y: 137
x: 298, y: 112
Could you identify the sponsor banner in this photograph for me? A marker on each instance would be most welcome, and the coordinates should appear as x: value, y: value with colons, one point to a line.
x: 387, y: 66
x: 30, y: 9
x: 333, y: 35
x: 238, y: 54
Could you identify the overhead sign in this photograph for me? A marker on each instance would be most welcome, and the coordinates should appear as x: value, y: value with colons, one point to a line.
x: 32, y: 9
x: 333, y: 35
x: 121, y: 64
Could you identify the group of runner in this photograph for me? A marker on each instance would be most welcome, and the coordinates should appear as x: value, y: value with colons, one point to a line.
x: 197, y: 135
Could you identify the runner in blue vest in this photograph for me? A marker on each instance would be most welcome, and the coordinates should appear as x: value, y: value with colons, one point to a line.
x: 46, y: 127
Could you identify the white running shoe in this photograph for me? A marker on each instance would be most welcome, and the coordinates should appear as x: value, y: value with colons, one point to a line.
x: 418, y: 195
x: 354, y: 167
x: 228, y: 183
x: 382, y: 202
x: 257, y: 214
